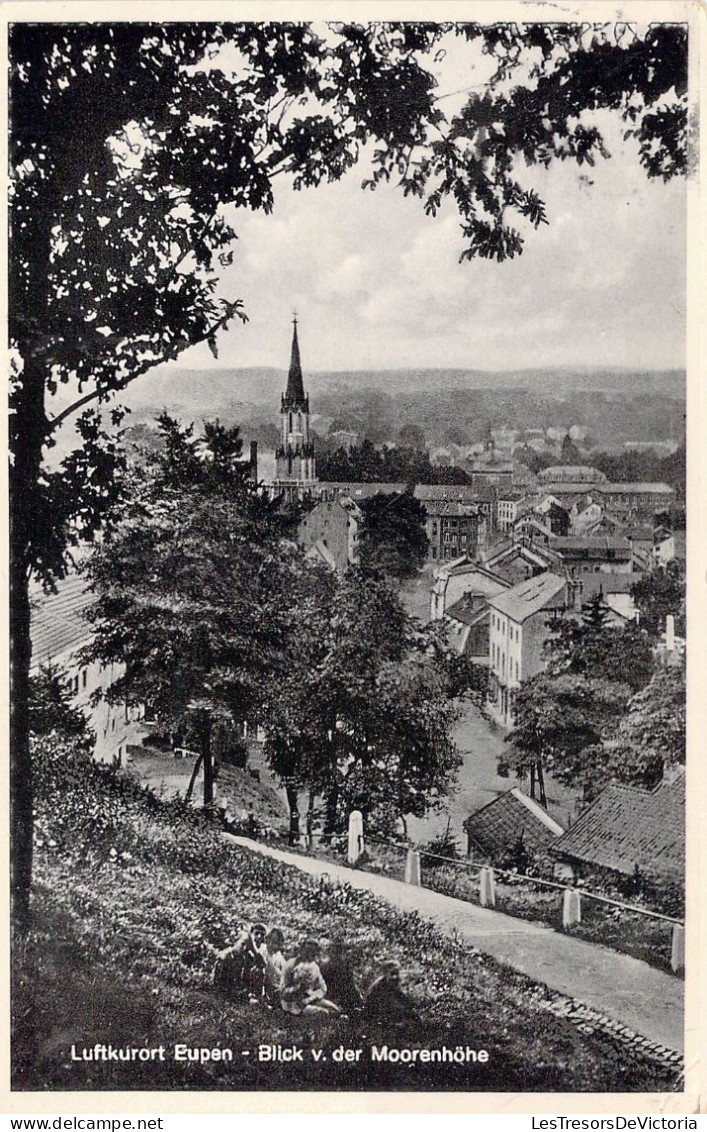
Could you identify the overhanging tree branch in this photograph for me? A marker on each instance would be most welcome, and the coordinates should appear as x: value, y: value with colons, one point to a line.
x: 96, y: 394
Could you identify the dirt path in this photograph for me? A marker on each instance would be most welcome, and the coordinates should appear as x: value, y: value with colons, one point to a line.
x: 635, y: 995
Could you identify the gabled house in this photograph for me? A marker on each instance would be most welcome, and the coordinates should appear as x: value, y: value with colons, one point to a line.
x: 585, y: 515
x: 518, y: 631
x: 458, y: 578
x: 509, y: 823
x: 332, y: 529
x: 594, y: 554
x: 629, y: 829
x: 468, y: 621
x: 515, y: 561
x: 532, y: 528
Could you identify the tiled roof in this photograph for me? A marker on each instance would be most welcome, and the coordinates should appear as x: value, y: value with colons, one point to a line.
x: 538, y: 555
x: 441, y: 507
x: 456, y: 492
x: 469, y: 609
x: 570, y: 487
x: 498, y: 826
x: 582, y: 487
x: 627, y: 826
x: 643, y: 488
x: 458, y: 567
x: 611, y: 582
x: 579, y: 470
x: 57, y: 623
x: 357, y: 490
x: 592, y: 546
x: 529, y: 597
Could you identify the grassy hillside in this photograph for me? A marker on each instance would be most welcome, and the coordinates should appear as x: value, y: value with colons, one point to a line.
x: 133, y: 895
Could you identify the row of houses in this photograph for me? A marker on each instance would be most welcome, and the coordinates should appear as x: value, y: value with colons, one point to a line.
x: 467, y: 518
x: 498, y: 607
x: 628, y: 832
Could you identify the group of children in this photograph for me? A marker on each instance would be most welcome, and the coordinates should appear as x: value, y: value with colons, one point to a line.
x: 255, y: 968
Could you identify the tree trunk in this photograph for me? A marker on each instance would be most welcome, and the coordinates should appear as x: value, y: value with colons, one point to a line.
x: 192, y: 780
x: 293, y: 803
x: 21, y: 785
x: 541, y: 784
x: 532, y: 780
x: 25, y: 528
x: 310, y: 817
x: 331, y: 812
x: 208, y: 764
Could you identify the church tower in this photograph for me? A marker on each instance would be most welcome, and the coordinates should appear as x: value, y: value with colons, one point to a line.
x: 294, y: 457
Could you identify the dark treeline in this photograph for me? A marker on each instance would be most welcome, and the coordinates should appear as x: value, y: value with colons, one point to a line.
x: 370, y: 464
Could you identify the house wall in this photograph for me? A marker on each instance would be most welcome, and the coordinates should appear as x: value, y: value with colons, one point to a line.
x: 450, y: 587
x: 516, y: 653
x: 664, y: 551
x: 335, y: 527
x: 451, y: 536
x: 111, y: 723
x: 507, y: 510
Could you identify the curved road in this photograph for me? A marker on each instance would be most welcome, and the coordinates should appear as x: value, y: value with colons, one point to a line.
x: 637, y: 996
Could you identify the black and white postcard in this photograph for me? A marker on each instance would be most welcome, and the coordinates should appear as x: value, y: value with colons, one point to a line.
x: 352, y: 377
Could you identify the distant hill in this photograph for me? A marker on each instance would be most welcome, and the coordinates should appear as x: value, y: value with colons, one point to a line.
x: 457, y: 405
x: 212, y: 390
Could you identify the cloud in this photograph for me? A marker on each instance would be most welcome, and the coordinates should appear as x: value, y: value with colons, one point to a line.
x: 378, y: 284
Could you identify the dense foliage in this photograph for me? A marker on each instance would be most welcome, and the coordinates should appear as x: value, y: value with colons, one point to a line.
x: 651, y: 737
x: 362, y: 713
x: 659, y: 595
x: 393, y: 536
x: 565, y: 715
x: 51, y: 707
x: 190, y: 588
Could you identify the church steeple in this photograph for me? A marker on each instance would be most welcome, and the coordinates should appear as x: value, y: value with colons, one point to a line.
x: 294, y: 456
x: 295, y: 384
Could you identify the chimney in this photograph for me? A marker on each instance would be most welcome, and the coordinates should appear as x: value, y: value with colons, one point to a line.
x: 670, y: 633
x: 254, y: 460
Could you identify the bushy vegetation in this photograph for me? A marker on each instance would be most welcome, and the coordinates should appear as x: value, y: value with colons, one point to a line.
x: 132, y: 897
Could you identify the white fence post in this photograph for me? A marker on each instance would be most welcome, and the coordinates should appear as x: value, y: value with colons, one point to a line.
x: 677, y: 951
x: 487, y: 888
x: 412, y: 867
x: 355, y: 846
x: 571, y: 908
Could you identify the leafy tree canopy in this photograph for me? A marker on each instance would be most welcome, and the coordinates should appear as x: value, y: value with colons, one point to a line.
x: 651, y: 736
x: 590, y: 646
x: 362, y: 710
x: 190, y: 585
x: 51, y: 708
x: 658, y: 595
x: 393, y: 538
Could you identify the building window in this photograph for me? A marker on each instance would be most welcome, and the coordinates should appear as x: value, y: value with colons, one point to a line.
x: 75, y: 684
x: 84, y: 677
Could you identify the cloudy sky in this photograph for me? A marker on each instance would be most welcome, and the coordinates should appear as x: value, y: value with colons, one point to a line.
x: 378, y: 285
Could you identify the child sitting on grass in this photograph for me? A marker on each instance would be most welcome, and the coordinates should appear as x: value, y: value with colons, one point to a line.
x: 303, y: 987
